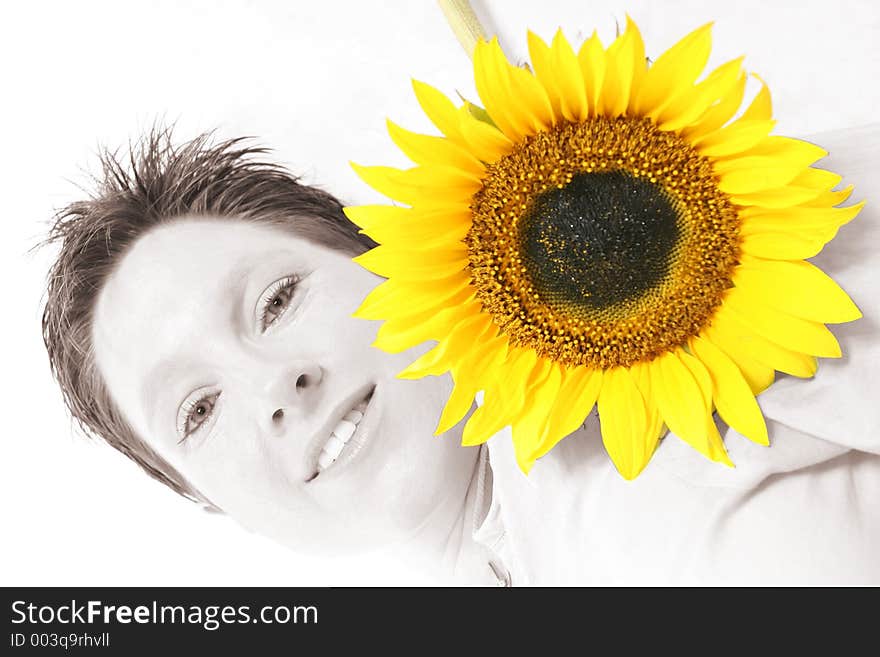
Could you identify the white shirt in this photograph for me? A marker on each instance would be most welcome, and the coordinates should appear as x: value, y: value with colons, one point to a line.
x: 806, y: 510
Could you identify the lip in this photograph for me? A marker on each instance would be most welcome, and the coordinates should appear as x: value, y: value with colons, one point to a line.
x: 316, y: 444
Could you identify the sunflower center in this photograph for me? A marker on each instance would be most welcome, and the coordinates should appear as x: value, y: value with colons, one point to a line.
x: 602, y: 240
x: 602, y: 243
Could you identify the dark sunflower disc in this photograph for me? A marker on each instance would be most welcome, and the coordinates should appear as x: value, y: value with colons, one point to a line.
x: 603, y: 239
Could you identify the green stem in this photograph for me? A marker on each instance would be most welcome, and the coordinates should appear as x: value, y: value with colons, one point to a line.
x: 464, y: 23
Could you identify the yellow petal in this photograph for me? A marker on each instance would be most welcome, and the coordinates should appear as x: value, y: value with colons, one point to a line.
x: 452, y: 181
x: 460, y: 401
x: 463, y: 338
x: 530, y: 99
x: 386, y: 299
x: 591, y: 59
x: 467, y: 371
x: 412, y: 316
x: 528, y: 429
x: 781, y: 246
x: 541, y: 57
x: 808, y: 188
x: 680, y: 398
x: 432, y: 363
x: 761, y: 107
x: 717, y: 450
x: 474, y: 432
x: 709, y: 444
x: 438, y: 108
x: 411, y: 265
x: 635, y: 57
x: 413, y: 185
x: 829, y: 199
x: 675, y: 71
x: 402, y: 333
x: 682, y: 388
x: 781, y: 197
x: 624, y: 423
x: 818, y: 179
x: 642, y: 377
x: 758, y: 375
x: 569, y: 80
x: 753, y: 174
x: 636, y: 45
x: 501, y: 405
x: 733, y: 397
x: 519, y: 367
x: 720, y: 113
x: 784, y: 149
x: 382, y: 179
x: 485, y: 141
x: 493, y: 85
x: 425, y: 149
x: 383, y: 298
x: 816, y: 224
x: 690, y: 105
x: 735, y: 138
x: 796, y: 287
x: 488, y: 419
x: 624, y: 67
x: 761, y: 349
x: 578, y: 392
x: 423, y: 230
x: 790, y: 332
x: 367, y: 216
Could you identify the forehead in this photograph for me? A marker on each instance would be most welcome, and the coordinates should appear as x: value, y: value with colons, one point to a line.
x: 170, y: 267
x: 198, y: 252
x: 196, y: 246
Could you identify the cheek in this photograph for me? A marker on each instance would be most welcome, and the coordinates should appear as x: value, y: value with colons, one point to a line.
x: 351, y: 285
x: 327, y: 317
x: 231, y: 469
x: 416, y: 454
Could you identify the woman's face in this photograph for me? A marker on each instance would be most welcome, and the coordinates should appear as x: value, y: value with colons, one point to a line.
x: 230, y: 347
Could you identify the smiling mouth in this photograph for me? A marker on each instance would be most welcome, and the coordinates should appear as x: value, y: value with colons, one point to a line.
x: 343, y: 441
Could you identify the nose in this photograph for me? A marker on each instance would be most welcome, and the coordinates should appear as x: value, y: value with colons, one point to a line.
x: 291, y: 391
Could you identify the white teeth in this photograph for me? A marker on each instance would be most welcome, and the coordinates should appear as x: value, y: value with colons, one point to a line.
x: 344, y: 430
x: 334, y: 446
x: 340, y: 436
x: 324, y: 460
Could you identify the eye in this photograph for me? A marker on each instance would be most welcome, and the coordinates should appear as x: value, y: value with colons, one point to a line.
x: 194, y: 413
x: 275, y: 301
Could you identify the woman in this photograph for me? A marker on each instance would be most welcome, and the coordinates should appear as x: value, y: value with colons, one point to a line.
x: 199, y: 319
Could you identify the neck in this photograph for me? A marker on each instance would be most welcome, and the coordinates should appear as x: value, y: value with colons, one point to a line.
x: 444, y: 546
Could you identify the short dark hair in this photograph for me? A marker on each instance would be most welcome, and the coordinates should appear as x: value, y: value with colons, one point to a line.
x: 156, y: 183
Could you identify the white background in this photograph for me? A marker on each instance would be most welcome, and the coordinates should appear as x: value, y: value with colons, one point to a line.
x: 314, y: 80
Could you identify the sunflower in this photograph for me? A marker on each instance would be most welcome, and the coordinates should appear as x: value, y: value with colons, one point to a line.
x: 605, y: 233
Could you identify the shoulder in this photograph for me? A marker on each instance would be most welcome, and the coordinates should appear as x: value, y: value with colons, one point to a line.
x: 686, y: 520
